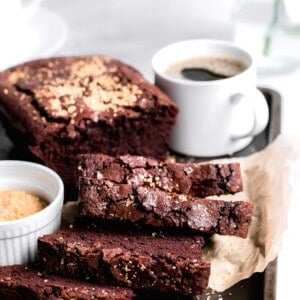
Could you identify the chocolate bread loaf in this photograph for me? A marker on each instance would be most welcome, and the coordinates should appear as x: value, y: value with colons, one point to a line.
x: 21, y: 282
x: 193, y: 179
x: 141, y: 205
x: 139, y: 261
x: 66, y: 106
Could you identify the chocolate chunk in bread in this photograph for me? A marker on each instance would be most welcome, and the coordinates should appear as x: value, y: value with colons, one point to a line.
x: 193, y: 179
x: 19, y: 282
x: 139, y: 261
x: 142, y: 205
x: 71, y: 105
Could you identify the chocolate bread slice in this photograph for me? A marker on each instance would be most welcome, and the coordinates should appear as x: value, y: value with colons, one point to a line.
x: 193, y: 179
x: 21, y: 282
x: 71, y: 105
x: 139, y: 261
x: 141, y: 205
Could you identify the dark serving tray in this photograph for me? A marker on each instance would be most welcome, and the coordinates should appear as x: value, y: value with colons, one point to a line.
x: 260, y: 286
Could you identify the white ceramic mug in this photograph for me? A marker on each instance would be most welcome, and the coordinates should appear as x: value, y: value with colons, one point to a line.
x: 216, y: 117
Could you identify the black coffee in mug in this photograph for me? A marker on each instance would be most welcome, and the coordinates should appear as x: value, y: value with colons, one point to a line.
x: 206, y: 68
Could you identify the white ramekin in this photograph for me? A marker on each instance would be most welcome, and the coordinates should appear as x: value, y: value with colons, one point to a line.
x: 18, y: 238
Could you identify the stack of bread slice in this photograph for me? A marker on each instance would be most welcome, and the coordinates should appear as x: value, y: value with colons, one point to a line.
x: 142, y: 228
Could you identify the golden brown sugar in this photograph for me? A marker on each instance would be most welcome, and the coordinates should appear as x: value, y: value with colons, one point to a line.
x: 16, y: 204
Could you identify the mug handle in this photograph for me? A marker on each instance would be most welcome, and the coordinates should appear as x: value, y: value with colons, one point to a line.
x: 259, y: 109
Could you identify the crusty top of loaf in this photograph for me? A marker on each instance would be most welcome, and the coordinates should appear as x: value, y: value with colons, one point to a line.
x: 69, y: 89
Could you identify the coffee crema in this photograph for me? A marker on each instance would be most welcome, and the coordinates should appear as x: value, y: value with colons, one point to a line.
x: 206, y: 68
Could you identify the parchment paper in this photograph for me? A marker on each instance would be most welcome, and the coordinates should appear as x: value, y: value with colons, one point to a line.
x: 267, y: 182
x: 266, y: 179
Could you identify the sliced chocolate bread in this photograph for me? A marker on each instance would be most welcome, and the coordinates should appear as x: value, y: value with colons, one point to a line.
x: 19, y: 282
x: 103, y: 200
x: 138, y: 261
x: 193, y: 179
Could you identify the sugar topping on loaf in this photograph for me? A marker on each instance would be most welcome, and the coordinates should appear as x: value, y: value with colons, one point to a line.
x: 95, y: 83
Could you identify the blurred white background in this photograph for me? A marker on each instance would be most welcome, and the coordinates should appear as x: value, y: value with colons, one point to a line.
x: 134, y: 30
x: 126, y: 29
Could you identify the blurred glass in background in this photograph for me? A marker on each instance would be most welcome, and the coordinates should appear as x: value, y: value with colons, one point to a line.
x: 28, y: 31
x: 270, y: 30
